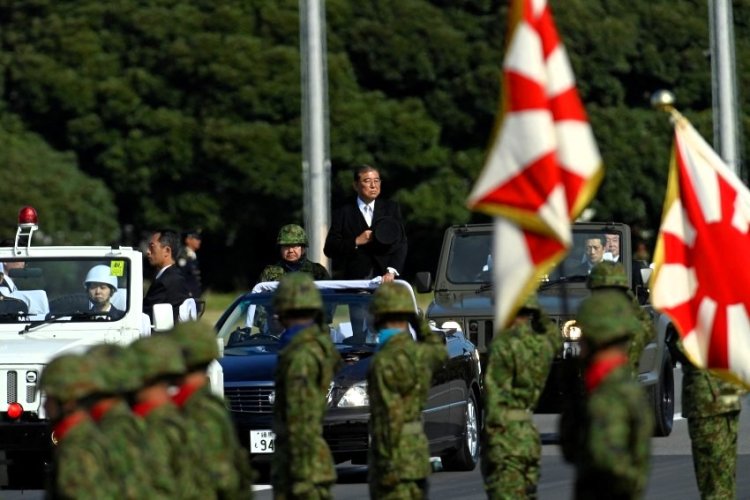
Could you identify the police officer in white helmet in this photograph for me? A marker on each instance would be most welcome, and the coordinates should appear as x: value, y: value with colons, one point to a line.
x: 100, y: 286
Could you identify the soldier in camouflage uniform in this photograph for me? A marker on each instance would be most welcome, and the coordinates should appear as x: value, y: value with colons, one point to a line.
x: 81, y: 463
x: 398, y: 382
x: 608, y: 436
x: 518, y: 364
x: 226, y: 465
x: 292, y: 243
x: 611, y: 276
x: 171, y: 442
x: 122, y: 430
x: 712, y: 408
x: 302, y: 465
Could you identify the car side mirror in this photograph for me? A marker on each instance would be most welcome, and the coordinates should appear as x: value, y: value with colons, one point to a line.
x: 423, y: 282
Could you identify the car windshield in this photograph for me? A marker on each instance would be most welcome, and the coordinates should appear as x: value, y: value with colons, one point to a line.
x: 470, y: 258
x: 56, y: 289
x: 253, y: 321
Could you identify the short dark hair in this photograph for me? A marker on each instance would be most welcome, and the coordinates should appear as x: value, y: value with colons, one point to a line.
x: 602, y: 239
x: 361, y: 169
x: 170, y: 238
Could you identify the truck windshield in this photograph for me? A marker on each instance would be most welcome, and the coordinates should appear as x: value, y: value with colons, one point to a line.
x: 470, y: 259
x: 63, y: 289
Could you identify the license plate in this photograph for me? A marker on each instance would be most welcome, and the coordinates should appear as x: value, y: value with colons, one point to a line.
x: 261, y: 441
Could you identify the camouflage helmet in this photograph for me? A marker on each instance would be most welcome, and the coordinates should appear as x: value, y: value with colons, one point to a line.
x: 198, y: 342
x: 292, y: 234
x: 117, y: 368
x: 158, y: 356
x: 297, y: 292
x: 531, y: 304
x: 607, y: 317
x: 70, y: 377
x: 391, y: 298
x: 608, y: 274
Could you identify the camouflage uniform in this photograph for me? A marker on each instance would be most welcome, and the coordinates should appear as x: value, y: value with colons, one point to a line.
x: 518, y: 364
x: 171, y: 442
x: 80, y: 464
x: 302, y: 465
x: 226, y: 464
x: 398, y: 382
x: 123, y: 432
x: 292, y: 234
x: 712, y: 408
x: 611, y: 276
x: 608, y: 436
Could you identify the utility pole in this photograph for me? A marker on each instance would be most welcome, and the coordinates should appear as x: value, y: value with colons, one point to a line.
x: 316, y: 162
x: 723, y: 83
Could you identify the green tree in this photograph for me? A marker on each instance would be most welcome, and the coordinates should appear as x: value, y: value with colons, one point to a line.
x: 73, y: 208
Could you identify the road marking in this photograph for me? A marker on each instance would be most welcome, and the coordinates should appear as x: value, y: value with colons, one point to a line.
x: 678, y: 416
x: 261, y: 487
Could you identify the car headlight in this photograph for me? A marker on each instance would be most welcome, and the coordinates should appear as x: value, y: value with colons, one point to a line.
x: 571, y: 331
x: 356, y: 395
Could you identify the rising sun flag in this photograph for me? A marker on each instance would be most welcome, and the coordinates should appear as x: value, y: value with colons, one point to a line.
x: 701, y: 278
x: 543, y: 166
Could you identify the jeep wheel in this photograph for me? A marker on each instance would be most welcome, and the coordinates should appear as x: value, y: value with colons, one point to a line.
x: 662, y: 398
x: 465, y: 458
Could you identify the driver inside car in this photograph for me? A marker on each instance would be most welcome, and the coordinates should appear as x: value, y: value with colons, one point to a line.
x: 100, y: 286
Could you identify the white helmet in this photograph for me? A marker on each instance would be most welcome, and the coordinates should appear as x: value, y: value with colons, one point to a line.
x: 101, y: 274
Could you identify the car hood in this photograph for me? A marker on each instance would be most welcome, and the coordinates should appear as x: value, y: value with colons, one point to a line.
x: 27, y: 350
x: 250, y: 364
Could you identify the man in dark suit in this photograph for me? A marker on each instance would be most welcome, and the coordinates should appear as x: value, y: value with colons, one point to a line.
x: 593, y: 253
x: 367, y: 237
x: 168, y: 286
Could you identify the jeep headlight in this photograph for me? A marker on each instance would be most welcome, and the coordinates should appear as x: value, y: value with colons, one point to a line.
x: 355, y: 396
x: 571, y: 331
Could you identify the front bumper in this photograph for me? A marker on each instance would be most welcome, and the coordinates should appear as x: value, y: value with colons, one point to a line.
x: 34, y: 436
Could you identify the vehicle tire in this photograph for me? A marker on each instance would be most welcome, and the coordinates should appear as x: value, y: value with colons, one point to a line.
x: 662, y: 398
x: 466, y: 457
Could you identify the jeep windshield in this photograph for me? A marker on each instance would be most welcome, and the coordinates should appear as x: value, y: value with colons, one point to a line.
x: 38, y: 290
x: 252, y: 322
x: 470, y: 258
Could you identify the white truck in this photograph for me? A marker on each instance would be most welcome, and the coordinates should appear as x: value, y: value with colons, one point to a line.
x: 44, y: 312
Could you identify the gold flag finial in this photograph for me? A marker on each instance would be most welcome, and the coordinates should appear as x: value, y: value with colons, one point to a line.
x: 663, y: 100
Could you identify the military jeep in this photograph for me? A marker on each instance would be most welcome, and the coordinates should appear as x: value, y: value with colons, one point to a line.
x: 464, y: 299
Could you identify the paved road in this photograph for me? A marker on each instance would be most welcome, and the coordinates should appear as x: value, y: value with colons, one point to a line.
x: 671, y: 478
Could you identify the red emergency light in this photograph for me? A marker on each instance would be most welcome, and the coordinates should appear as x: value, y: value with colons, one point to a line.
x: 15, y: 410
x: 27, y: 217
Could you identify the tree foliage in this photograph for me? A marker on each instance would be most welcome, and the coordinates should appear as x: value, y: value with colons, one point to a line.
x: 187, y: 113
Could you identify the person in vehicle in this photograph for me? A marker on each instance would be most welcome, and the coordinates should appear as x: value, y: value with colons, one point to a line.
x: 367, y: 237
x: 612, y: 248
x: 168, y: 286
x: 593, y: 253
x: 101, y: 286
x: 292, y: 244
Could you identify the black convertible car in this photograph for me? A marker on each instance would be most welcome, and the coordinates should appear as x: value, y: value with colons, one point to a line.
x: 250, y: 332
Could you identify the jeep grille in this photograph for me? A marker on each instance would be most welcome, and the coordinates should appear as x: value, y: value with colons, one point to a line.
x: 16, y: 389
x: 249, y: 399
x: 12, y: 387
